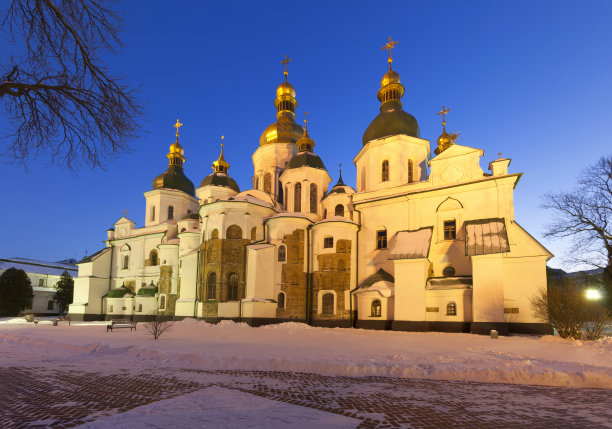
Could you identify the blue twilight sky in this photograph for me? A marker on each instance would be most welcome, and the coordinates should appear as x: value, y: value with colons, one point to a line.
x: 528, y: 79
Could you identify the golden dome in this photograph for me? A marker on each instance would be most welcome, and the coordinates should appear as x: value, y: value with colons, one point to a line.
x: 284, y: 130
x: 176, y: 148
x: 285, y: 88
x: 390, y: 77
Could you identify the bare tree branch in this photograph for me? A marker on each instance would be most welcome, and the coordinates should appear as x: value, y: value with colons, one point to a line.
x: 585, y: 216
x: 61, y: 99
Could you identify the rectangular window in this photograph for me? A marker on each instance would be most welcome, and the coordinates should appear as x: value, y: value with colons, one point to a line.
x: 450, y: 230
x: 381, y: 239
x: 328, y: 242
x: 50, y: 305
x: 41, y: 282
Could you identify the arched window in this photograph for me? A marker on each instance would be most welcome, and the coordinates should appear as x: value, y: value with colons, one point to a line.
x: 233, y: 231
x: 162, y: 302
x: 339, y: 211
x: 450, y: 229
x: 211, y: 286
x: 325, y: 214
x: 232, y: 287
x: 385, y: 171
x: 280, y: 193
x: 410, y: 171
x: 140, y: 308
x: 327, y: 304
x: 214, y: 234
x: 297, y: 197
x: 256, y: 182
x: 314, y: 199
x: 376, y: 308
x: 268, y: 183
x: 153, y: 257
x: 170, y: 212
x: 281, y: 300
x: 254, y: 233
x: 152, y: 213
x: 286, y: 198
x: 451, y: 309
x: 363, y: 179
x: 126, y: 262
x: 282, y: 253
x: 381, y: 239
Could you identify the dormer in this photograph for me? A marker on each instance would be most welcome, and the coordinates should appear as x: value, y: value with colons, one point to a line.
x: 456, y: 164
x: 123, y: 227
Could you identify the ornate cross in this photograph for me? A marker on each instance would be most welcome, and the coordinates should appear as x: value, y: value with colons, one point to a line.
x: 177, y: 126
x: 125, y: 213
x: 390, y: 45
x: 285, y: 62
x: 443, y: 112
x: 222, y: 137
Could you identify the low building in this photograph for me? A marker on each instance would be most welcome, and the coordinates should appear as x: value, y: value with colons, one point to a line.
x: 44, y: 276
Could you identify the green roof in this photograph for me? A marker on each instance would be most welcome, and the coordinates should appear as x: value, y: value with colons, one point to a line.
x: 392, y: 120
x: 306, y: 159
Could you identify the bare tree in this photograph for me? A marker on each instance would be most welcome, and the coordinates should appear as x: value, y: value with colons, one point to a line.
x: 585, y: 215
x: 159, y: 324
x: 60, y: 97
x: 565, y: 306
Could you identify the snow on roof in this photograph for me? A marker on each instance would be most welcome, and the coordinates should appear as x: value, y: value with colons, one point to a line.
x: 336, y: 219
x: 256, y: 299
x: 384, y: 288
x: 38, y: 267
x: 411, y: 244
x: 290, y: 214
x: 486, y: 236
x: 259, y: 246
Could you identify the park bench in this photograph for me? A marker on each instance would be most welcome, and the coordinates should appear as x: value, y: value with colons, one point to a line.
x: 62, y: 319
x: 116, y: 324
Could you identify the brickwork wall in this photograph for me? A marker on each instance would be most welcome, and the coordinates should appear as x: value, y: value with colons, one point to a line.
x: 165, y: 287
x: 293, y: 277
x: 334, y: 274
x: 222, y: 257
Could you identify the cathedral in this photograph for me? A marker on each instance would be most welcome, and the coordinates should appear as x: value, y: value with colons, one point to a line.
x: 420, y: 243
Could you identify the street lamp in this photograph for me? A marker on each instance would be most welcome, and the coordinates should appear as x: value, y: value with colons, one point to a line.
x: 593, y: 294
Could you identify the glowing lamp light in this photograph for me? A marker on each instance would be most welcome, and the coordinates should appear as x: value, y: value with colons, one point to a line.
x: 593, y: 294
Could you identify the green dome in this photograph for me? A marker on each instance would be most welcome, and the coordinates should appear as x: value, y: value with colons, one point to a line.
x: 174, y: 178
x: 220, y: 179
x: 306, y: 159
x: 391, y: 121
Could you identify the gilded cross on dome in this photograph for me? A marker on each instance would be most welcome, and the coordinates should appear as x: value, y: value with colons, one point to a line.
x: 390, y: 45
x: 285, y: 62
x: 443, y: 112
x: 177, y: 126
x: 305, y: 120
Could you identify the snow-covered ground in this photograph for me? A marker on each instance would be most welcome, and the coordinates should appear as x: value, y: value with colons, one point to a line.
x: 295, y: 347
x: 216, y: 407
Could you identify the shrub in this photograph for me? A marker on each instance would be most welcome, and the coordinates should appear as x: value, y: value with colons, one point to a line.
x: 159, y: 324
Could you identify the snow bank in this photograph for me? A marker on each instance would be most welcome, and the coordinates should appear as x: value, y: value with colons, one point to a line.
x: 297, y: 347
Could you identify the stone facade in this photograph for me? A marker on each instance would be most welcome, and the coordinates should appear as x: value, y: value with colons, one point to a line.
x: 334, y: 275
x: 294, y: 280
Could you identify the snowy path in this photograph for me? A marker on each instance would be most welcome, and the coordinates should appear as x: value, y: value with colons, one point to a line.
x: 60, y: 398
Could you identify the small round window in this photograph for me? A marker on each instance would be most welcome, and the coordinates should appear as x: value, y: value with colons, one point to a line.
x: 448, y: 272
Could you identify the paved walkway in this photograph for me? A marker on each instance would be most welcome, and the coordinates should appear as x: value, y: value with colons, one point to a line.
x: 62, y: 398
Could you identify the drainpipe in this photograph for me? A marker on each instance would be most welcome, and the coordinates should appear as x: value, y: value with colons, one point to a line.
x: 195, y: 302
x: 353, y: 319
x: 308, y: 300
x: 110, y: 275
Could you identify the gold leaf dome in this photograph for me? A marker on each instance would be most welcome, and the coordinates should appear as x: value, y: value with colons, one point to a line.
x: 285, y: 88
x: 284, y: 130
x: 390, y: 77
x: 176, y: 148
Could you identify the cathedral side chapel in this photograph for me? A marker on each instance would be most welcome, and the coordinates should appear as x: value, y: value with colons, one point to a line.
x: 420, y: 243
